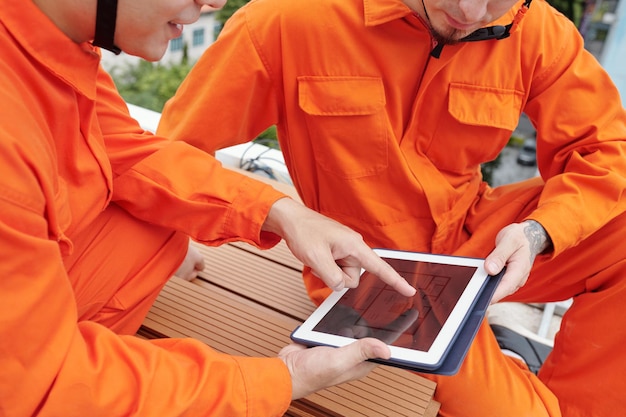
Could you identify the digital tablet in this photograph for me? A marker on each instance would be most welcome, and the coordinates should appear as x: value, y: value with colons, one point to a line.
x: 436, y: 325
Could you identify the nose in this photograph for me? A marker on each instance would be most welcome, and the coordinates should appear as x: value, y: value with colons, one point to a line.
x: 473, y: 10
x: 213, y: 4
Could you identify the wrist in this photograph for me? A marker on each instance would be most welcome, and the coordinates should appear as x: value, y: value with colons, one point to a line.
x: 277, y: 217
x: 537, y: 236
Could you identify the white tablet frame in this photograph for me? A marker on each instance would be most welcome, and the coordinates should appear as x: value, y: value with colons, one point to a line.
x: 430, y: 359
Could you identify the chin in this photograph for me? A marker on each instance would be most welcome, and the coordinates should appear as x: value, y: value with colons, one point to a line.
x: 154, y: 56
x: 151, y: 54
x: 449, y: 36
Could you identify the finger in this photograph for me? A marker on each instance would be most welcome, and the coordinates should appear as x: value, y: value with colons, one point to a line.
x: 377, y: 266
x: 368, y: 348
x: 503, y: 289
x: 199, y: 265
x: 352, y: 360
x: 322, y: 366
x: 343, y: 276
x: 511, y: 282
x: 507, y: 253
x: 496, y: 260
x: 333, y: 279
x: 508, y: 242
x: 326, y: 269
x: 351, y: 276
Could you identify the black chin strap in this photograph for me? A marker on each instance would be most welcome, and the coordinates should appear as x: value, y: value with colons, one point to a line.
x: 487, y: 33
x: 493, y: 32
x: 106, y: 16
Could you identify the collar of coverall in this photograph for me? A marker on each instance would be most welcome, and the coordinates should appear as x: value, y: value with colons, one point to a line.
x: 491, y: 32
x: 106, y: 15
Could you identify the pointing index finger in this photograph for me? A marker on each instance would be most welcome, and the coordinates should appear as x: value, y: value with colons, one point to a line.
x: 377, y: 266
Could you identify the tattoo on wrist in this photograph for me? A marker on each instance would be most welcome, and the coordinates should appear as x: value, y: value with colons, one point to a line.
x: 537, y: 237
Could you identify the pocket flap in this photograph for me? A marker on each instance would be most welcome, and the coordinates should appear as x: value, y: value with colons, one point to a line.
x: 485, y: 106
x: 340, y: 96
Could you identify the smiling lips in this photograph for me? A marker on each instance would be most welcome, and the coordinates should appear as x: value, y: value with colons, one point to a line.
x: 177, y: 29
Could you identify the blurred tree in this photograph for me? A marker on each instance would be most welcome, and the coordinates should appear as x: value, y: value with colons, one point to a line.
x: 229, y: 8
x: 572, y: 9
x: 150, y: 85
x: 488, y: 169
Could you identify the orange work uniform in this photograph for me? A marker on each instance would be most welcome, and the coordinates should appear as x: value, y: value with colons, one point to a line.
x: 388, y: 139
x: 92, y: 215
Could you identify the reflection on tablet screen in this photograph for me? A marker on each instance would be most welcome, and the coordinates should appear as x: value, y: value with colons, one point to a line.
x: 376, y: 310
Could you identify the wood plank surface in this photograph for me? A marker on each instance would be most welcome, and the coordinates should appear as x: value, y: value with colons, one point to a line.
x: 256, y: 277
x: 238, y: 326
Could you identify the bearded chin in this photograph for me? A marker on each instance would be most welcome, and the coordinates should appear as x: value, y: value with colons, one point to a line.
x: 449, y: 38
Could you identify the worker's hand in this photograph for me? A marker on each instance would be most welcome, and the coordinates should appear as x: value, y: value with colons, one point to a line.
x: 335, y: 253
x: 322, y: 367
x: 517, y: 246
x: 192, y: 265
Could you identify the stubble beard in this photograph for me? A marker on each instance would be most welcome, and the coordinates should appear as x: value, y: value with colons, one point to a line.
x: 450, y: 38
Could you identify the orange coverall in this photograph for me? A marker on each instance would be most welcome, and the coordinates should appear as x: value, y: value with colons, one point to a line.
x: 91, y: 214
x: 386, y: 138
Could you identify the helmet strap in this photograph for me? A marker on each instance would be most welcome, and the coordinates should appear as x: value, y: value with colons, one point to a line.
x: 106, y: 16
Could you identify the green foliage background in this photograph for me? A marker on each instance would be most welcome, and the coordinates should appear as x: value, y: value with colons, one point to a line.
x: 229, y: 8
x: 573, y: 9
x: 150, y: 85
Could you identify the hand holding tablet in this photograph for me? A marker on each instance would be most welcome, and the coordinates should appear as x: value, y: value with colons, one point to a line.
x: 429, y: 331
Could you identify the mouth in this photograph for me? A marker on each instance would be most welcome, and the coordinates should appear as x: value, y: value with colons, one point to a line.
x: 177, y: 29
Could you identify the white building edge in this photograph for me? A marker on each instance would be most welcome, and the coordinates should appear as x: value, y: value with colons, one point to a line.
x: 252, y: 156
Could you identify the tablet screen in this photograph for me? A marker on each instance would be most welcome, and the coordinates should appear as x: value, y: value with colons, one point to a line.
x: 374, y: 309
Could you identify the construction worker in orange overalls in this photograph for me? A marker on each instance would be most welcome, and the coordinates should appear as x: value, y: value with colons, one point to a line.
x: 385, y: 111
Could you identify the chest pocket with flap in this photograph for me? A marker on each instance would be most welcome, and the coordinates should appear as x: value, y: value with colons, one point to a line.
x: 346, y: 122
x: 477, y: 125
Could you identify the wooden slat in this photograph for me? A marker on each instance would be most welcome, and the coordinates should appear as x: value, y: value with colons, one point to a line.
x: 433, y: 409
x: 256, y: 278
x: 279, y: 254
x: 238, y: 326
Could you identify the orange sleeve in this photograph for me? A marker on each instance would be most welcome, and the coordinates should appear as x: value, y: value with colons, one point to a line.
x: 581, y: 147
x: 53, y: 366
x: 212, y: 204
x: 245, y: 81
x: 195, y: 194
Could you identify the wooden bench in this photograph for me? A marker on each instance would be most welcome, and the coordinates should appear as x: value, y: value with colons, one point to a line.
x: 247, y: 302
